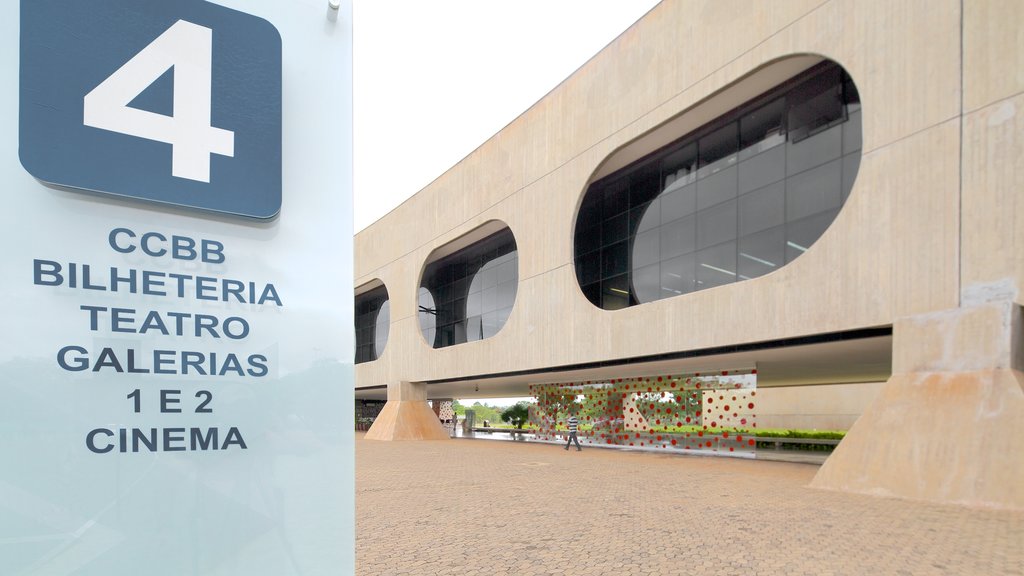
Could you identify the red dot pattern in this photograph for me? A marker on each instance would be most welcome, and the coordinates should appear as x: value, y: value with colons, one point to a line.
x: 711, y: 413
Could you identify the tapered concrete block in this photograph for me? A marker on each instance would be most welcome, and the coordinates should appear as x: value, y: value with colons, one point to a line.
x: 947, y: 426
x: 407, y: 416
x: 945, y: 437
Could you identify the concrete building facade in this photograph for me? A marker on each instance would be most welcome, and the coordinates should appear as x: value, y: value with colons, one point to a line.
x: 914, y: 279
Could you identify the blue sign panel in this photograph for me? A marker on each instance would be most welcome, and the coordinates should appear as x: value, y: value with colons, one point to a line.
x: 173, y: 102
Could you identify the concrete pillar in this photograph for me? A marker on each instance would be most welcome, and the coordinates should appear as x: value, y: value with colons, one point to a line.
x: 948, y: 426
x: 407, y: 416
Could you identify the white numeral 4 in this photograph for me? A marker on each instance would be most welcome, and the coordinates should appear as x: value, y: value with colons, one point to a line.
x: 188, y: 48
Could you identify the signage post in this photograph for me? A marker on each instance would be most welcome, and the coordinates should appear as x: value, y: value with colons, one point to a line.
x: 176, y: 359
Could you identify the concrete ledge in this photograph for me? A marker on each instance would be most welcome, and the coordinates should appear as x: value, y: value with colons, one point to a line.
x: 983, y: 337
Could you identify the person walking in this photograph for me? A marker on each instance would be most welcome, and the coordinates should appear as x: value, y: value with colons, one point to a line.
x: 574, y: 425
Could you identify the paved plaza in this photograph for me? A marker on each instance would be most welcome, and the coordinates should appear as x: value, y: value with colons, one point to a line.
x: 473, y: 507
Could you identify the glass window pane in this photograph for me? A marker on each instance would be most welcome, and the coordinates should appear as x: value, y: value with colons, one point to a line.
x: 717, y: 188
x: 503, y: 316
x: 444, y: 336
x: 592, y: 207
x: 459, y: 332
x: 593, y: 292
x: 678, y: 203
x: 679, y: 168
x: 509, y: 256
x: 814, y: 151
x: 614, y: 260
x: 645, y: 217
x: 762, y: 170
x: 678, y: 237
x: 442, y: 294
x: 852, y: 133
x: 815, y: 104
x: 372, y: 324
x: 461, y: 287
x: 588, y: 267
x: 716, y: 266
x: 507, y: 271
x: 615, y: 229
x: 800, y: 235
x: 488, y: 277
x: 678, y: 276
x: 718, y: 150
x: 474, y: 304
x: 762, y: 253
x: 427, y: 315
x: 814, y: 191
x: 615, y: 293
x: 646, y: 248
x: 506, y: 295
x: 762, y: 209
x: 490, y: 299
x: 382, y: 328
x: 444, y: 315
x: 474, y: 328
x: 616, y: 197
x: 647, y: 283
x: 588, y: 239
x: 645, y: 183
x: 716, y: 225
x: 489, y: 323
x: 762, y: 129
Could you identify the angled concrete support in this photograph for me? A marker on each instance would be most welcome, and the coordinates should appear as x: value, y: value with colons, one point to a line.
x: 949, y: 424
x: 407, y: 416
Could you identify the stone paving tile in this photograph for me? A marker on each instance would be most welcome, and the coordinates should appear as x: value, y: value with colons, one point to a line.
x: 608, y: 512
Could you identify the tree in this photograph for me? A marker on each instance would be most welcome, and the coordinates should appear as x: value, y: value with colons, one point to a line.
x: 458, y: 408
x: 517, y: 414
x: 484, y: 412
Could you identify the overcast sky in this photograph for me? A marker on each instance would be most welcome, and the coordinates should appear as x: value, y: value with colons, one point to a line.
x: 434, y: 80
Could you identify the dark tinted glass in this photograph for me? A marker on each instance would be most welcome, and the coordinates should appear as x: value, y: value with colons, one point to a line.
x: 371, y: 330
x: 734, y: 200
x: 761, y: 253
x: 469, y: 295
x: 679, y: 168
x: 816, y: 104
x: 717, y: 187
x: 718, y: 146
x: 762, y: 128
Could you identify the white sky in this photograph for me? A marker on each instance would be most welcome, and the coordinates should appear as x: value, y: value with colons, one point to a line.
x: 434, y: 80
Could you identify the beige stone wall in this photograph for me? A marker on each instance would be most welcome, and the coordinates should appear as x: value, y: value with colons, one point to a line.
x: 825, y: 407
x: 893, y: 251
x: 993, y: 134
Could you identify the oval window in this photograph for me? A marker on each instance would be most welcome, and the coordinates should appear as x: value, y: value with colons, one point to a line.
x: 373, y: 322
x: 468, y: 293
x: 736, y: 199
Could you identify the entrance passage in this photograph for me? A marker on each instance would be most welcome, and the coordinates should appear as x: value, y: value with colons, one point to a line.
x: 699, y: 412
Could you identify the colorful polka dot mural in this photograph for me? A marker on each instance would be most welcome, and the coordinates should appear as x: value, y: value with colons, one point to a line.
x: 699, y: 412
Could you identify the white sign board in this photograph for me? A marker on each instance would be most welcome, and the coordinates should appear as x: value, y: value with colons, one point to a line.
x: 176, y: 359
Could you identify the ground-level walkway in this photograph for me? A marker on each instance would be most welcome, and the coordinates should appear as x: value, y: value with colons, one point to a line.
x: 494, y: 508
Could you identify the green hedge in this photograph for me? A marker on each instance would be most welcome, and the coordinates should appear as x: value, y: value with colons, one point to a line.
x: 817, y: 434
